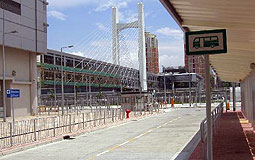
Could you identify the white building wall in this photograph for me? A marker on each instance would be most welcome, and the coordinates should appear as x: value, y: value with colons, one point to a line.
x: 21, y: 50
x: 26, y: 26
x: 248, y: 97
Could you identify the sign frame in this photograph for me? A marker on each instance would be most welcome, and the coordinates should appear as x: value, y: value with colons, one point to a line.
x: 10, y: 93
x: 224, y: 50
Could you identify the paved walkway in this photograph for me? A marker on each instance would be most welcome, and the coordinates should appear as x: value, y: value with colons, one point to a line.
x: 159, y: 137
x: 234, y: 140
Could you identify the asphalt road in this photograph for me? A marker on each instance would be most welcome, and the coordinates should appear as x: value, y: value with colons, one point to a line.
x: 159, y: 137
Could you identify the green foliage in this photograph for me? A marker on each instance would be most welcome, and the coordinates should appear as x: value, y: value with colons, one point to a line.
x: 52, y: 95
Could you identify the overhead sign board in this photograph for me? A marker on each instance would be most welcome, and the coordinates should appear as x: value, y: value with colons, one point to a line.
x: 206, y: 42
x: 13, y: 93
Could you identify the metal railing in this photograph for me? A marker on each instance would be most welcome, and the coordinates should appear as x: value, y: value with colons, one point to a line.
x: 28, y: 131
x: 215, y: 115
x: 54, y: 108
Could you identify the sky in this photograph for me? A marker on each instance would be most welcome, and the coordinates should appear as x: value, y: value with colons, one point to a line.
x: 86, y: 24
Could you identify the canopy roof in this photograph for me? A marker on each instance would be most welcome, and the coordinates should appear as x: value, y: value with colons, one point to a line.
x: 238, y: 17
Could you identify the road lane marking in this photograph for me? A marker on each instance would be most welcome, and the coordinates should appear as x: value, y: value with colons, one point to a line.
x: 102, y: 153
x: 122, y: 144
x: 132, y: 139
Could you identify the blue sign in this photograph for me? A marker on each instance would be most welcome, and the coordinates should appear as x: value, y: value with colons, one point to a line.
x: 13, y: 93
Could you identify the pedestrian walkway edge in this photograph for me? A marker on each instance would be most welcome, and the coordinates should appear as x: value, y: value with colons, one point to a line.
x: 189, y: 148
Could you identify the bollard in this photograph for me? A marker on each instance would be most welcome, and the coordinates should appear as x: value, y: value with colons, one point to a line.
x: 227, y: 106
x: 127, y: 112
x: 172, y: 103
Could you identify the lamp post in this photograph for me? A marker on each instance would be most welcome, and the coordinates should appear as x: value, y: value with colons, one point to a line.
x: 164, y: 83
x: 62, y: 77
x: 3, y: 67
x: 190, y: 90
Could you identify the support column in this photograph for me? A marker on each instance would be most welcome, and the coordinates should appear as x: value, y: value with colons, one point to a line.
x: 55, y: 90
x: 142, y: 51
x: 117, y: 27
x: 33, y: 87
x: 208, y: 109
x: 189, y: 90
x: 115, y: 36
x: 234, y: 96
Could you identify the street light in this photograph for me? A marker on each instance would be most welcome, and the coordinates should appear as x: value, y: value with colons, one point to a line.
x: 164, y: 83
x: 62, y: 78
x: 3, y: 66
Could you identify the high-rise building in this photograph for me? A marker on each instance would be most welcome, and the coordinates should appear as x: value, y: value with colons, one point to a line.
x: 195, y: 64
x: 152, y: 55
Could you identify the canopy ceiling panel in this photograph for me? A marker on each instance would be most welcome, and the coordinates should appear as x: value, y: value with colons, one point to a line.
x: 238, y: 17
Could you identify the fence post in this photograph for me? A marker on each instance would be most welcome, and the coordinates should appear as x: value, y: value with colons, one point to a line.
x: 34, y: 129
x: 123, y: 113
x: 11, y: 134
x: 54, y: 126
x: 112, y: 115
x: 104, y: 116
x: 94, y: 119
x: 119, y: 114
x: 83, y: 120
x: 70, y: 123
x: 116, y: 114
x: 100, y: 113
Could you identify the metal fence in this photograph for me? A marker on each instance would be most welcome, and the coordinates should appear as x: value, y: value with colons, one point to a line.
x: 27, y: 131
x: 215, y: 115
x: 55, y: 108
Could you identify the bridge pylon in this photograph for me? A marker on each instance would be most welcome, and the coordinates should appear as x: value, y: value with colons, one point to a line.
x: 117, y: 27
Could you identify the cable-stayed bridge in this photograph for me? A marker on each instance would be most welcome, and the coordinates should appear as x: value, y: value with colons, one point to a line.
x: 112, y: 58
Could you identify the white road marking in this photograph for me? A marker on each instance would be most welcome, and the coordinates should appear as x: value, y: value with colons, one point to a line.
x: 133, y: 139
x: 102, y: 153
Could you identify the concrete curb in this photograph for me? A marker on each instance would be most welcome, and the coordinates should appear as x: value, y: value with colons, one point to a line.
x: 189, y: 148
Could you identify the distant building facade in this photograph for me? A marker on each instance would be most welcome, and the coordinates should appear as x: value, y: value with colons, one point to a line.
x: 84, y: 75
x: 195, y: 64
x: 152, y: 55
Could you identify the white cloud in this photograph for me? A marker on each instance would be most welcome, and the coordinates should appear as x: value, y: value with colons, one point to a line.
x: 100, y: 5
x: 110, y: 3
x: 57, y: 15
x: 79, y: 53
x: 166, y: 31
x: 171, y: 53
x: 130, y: 16
x: 101, y: 27
x: 67, y: 3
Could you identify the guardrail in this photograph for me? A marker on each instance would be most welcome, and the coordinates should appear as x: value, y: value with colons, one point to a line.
x: 41, y: 128
x: 215, y: 115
